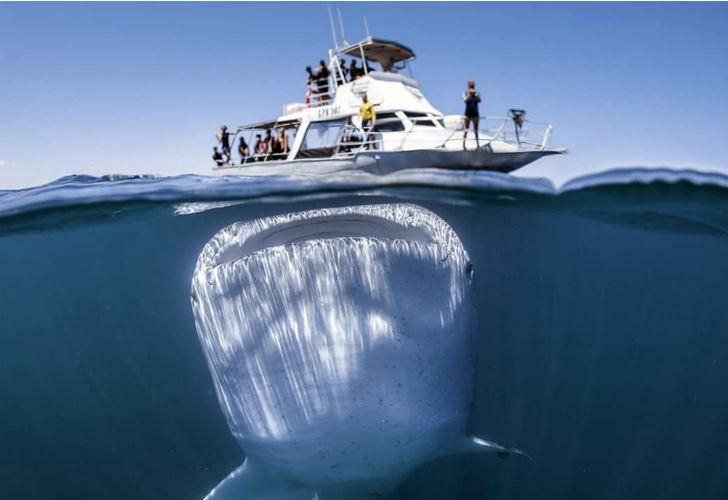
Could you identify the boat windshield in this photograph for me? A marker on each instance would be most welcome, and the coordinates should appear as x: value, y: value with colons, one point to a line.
x: 321, y: 138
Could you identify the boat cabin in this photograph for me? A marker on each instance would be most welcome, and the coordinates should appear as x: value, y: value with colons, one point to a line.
x: 328, y: 126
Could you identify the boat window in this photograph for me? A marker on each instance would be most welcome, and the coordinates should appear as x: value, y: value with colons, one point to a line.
x: 418, y: 119
x: 320, y: 139
x: 388, y: 122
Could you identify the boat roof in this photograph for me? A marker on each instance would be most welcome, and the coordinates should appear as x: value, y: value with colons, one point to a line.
x: 381, y: 51
x: 270, y: 124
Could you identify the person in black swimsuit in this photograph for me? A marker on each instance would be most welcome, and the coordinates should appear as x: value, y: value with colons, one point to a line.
x: 224, y: 139
x: 472, y: 114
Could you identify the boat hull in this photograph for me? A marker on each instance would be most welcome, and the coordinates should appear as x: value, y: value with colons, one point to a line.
x: 384, y: 162
x: 480, y: 159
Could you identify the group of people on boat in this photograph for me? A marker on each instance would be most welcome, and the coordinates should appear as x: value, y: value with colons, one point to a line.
x: 321, y: 80
x: 265, y: 148
x: 270, y: 147
x: 317, y: 89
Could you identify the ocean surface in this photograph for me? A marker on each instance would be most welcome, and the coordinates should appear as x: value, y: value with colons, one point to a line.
x: 602, y: 341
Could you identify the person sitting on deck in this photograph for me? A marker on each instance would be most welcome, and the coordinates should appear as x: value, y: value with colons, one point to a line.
x: 283, y: 142
x: 243, y: 150
x: 217, y: 156
x: 269, y: 141
x: 276, y: 150
x: 322, y: 81
x: 260, y: 149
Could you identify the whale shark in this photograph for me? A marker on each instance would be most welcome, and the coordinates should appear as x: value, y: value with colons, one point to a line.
x: 341, y: 347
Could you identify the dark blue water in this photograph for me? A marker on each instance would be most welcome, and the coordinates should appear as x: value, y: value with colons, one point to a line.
x: 602, y: 348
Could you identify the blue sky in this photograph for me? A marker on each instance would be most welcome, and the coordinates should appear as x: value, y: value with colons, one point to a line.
x: 143, y: 88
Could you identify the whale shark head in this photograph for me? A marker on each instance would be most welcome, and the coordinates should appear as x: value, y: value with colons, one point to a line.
x: 340, y: 345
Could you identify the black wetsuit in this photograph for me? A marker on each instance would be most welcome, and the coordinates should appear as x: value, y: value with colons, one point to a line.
x: 225, y: 140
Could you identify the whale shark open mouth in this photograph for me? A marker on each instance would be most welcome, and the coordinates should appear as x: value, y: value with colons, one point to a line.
x: 339, y: 342
x: 303, y: 293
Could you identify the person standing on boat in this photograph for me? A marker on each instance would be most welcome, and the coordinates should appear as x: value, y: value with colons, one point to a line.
x: 309, y: 85
x: 368, y: 118
x: 472, y: 113
x: 322, y: 81
x: 311, y: 77
x: 224, y: 139
x: 367, y: 113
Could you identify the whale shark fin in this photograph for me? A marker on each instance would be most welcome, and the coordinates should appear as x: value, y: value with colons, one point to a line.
x: 475, y: 444
x: 252, y: 482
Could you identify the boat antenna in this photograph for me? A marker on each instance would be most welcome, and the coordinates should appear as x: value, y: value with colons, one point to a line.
x: 333, y: 30
x: 366, y: 27
x: 341, y: 27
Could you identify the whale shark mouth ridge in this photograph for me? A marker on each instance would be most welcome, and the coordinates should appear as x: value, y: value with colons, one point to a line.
x: 308, y: 293
x: 386, y: 222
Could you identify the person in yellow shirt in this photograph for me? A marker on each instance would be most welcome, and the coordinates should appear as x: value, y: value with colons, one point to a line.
x: 367, y: 114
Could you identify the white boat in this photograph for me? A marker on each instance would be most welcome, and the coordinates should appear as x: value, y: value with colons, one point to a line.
x: 325, y: 133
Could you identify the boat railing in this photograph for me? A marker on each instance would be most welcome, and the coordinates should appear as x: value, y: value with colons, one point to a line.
x: 353, y: 139
x: 317, y: 96
x: 252, y: 159
x: 528, y: 136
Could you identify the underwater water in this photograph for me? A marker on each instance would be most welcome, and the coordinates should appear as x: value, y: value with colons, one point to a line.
x: 601, y: 346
